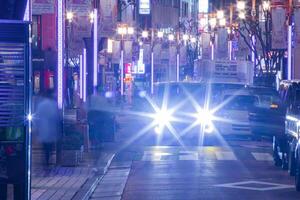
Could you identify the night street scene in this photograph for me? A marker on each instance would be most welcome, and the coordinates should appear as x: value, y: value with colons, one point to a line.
x: 149, y: 99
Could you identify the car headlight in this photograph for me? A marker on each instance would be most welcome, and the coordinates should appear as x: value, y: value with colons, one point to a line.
x: 161, y: 119
x: 205, y: 119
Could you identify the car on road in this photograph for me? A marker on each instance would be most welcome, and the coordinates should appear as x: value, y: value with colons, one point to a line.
x: 286, y: 148
x: 268, y: 116
x: 233, y: 113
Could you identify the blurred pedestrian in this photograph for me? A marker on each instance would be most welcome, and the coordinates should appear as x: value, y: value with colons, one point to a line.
x: 47, y: 123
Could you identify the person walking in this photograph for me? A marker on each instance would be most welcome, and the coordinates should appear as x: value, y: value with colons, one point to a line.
x: 47, y: 124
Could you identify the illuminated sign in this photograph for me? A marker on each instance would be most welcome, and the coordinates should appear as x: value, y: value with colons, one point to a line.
x: 144, y: 7
x: 203, y: 6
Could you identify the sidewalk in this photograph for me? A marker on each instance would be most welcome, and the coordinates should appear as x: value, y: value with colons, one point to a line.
x: 67, y: 182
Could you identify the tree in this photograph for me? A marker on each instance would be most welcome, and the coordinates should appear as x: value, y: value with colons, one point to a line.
x: 256, y: 32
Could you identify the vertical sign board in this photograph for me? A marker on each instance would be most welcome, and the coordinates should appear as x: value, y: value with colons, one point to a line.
x: 15, y: 97
x: 296, y: 71
x: 279, y: 29
x: 144, y: 7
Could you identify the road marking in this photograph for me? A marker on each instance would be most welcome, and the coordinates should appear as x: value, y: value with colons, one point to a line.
x: 192, y: 156
x: 225, y: 155
x: 262, y: 156
x: 151, y: 157
x: 256, y: 185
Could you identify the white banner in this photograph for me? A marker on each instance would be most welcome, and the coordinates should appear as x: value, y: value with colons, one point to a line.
x: 40, y: 7
x: 108, y: 14
x: 296, y: 73
x: 206, y: 47
x: 222, y: 44
x: 183, y: 56
x: 157, y: 54
x: 127, y: 51
x: 279, y: 29
x: 147, y: 54
x: 116, y: 55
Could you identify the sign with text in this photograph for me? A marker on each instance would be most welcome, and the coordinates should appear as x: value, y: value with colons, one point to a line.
x: 144, y: 7
x: 40, y: 7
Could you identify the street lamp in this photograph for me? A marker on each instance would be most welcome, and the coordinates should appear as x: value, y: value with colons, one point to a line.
x: 220, y: 14
x: 145, y: 34
x: 130, y: 30
x: 266, y: 5
x: 185, y: 37
x: 171, y: 37
x: 91, y: 16
x: 241, y: 5
x: 193, y: 40
x: 70, y: 16
x: 160, y: 34
x: 213, y: 22
x: 242, y: 15
x: 222, y: 22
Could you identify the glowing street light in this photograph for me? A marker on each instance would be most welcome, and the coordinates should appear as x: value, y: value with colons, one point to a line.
x: 213, y: 22
x: 193, y: 40
x: 130, y: 30
x: 70, y: 16
x: 242, y: 15
x: 241, y: 5
x: 220, y: 14
x: 203, y: 22
x: 222, y: 22
x: 122, y: 30
x: 266, y: 5
x: 145, y: 34
x: 91, y: 16
x: 160, y: 34
x: 185, y: 37
x: 171, y: 37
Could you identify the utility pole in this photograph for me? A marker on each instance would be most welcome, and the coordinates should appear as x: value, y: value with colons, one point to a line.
x: 290, y: 29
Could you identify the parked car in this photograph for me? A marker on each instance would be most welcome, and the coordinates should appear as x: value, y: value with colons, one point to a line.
x: 268, y: 116
x: 286, y: 149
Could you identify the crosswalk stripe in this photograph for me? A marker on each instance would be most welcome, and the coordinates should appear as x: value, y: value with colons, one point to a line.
x: 192, y: 156
x: 188, y: 152
x: 262, y: 156
x: 225, y: 156
x: 151, y: 157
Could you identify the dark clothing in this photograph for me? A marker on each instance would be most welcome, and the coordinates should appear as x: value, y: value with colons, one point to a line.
x: 48, y: 147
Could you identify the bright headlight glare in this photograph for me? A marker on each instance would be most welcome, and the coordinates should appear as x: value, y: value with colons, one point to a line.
x: 163, y: 117
x: 204, y: 117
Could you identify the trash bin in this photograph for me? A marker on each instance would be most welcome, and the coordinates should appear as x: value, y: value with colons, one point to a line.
x: 102, y: 126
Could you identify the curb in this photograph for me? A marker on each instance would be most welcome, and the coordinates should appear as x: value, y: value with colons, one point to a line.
x: 90, y: 185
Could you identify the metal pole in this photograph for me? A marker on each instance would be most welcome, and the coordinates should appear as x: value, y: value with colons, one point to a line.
x: 122, y: 68
x: 95, y: 47
x: 290, y: 30
x: 177, y: 66
x: 29, y: 118
x: 60, y: 49
x: 81, y: 76
x: 152, y: 72
x: 84, y: 74
x: 289, y: 70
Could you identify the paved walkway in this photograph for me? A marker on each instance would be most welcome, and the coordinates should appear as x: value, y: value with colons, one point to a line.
x: 66, y: 182
x: 59, y: 182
